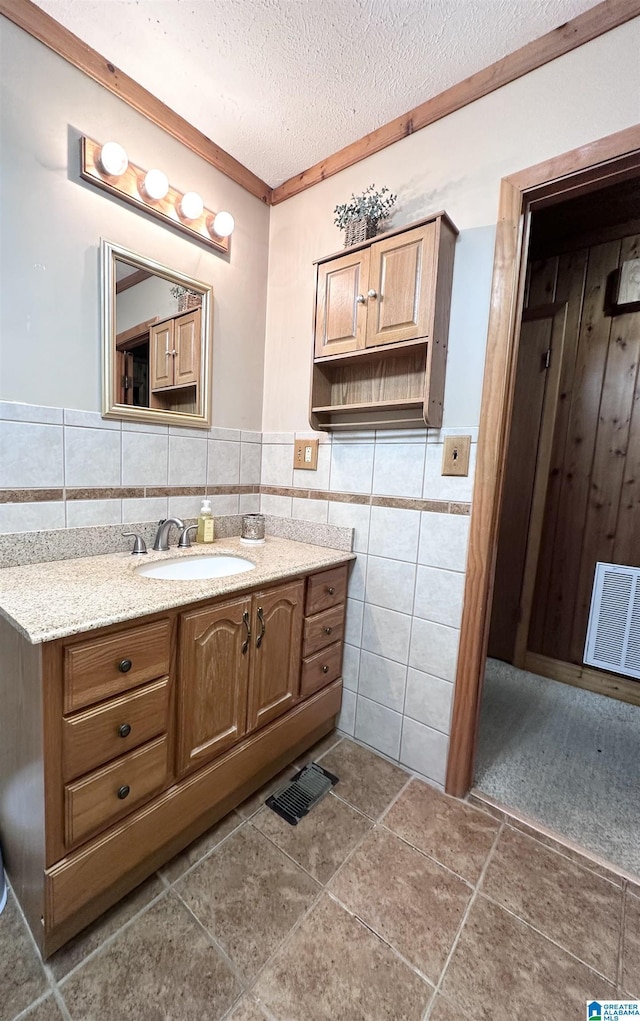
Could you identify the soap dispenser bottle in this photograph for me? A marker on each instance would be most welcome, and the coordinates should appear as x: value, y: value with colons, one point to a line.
x: 205, y: 523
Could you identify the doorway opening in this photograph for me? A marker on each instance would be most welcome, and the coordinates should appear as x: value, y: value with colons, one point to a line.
x: 531, y: 315
x: 566, y: 757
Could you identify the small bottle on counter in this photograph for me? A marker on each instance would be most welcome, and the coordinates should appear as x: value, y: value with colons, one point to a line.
x: 205, y: 523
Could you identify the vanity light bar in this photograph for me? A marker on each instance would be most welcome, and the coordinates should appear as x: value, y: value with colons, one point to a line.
x: 180, y: 209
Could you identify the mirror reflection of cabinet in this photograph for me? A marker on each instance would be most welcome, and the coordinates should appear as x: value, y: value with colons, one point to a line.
x: 156, y: 342
x: 174, y: 360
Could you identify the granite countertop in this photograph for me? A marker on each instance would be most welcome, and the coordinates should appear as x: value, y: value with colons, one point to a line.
x: 64, y: 597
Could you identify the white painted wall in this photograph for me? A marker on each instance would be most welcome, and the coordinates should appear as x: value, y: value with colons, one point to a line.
x: 137, y: 304
x: 51, y: 223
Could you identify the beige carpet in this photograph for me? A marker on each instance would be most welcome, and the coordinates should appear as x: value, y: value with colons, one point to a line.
x: 566, y: 757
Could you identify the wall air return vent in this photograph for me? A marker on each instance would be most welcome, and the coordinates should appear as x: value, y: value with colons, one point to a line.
x: 613, y: 634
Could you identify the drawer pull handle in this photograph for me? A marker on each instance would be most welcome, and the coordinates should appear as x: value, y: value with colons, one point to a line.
x: 263, y: 627
x: 245, y: 621
x: 123, y: 792
x: 124, y: 666
x: 328, y: 630
x: 124, y: 729
x: 331, y: 590
x: 325, y: 670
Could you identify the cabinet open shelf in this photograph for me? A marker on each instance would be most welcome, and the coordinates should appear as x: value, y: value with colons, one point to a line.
x: 349, y: 387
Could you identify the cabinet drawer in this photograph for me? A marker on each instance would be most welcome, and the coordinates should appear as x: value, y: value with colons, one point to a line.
x: 321, y: 669
x: 326, y: 590
x: 113, y: 728
x: 103, y: 667
x: 100, y: 798
x: 323, y: 629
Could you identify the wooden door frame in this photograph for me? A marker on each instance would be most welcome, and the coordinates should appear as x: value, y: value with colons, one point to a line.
x: 597, y: 164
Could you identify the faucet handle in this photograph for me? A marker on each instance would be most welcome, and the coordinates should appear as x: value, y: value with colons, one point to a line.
x: 184, y: 542
x: 139, y: 545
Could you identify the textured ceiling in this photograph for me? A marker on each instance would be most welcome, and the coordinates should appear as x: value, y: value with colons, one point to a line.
x: 282, y: 84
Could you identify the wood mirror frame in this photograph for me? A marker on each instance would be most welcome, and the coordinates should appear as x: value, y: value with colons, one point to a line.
x: 185, y: 400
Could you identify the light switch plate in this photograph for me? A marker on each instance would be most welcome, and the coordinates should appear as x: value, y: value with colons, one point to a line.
x: 455, y: 455
x: 305, y: 455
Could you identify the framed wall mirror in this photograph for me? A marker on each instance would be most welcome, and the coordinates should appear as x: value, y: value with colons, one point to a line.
x: 156, y: 341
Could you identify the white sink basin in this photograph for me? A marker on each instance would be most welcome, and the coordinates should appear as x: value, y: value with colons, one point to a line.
x: 190, y: 568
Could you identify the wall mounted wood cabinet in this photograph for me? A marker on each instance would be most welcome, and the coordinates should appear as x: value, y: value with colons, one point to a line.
x: 381, y: 326
x: 175, y: 352
x: 129, y: 742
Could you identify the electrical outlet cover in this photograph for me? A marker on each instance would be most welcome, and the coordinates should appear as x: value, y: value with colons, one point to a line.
x: 305, y: 454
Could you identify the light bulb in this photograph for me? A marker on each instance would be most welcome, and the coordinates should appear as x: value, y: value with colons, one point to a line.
x: 156, y: 184
x: 223, y: 224
x: 113, y: 159
x: 191, y: 206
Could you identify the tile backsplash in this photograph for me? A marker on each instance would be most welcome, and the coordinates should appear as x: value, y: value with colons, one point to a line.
x: 62, y: 469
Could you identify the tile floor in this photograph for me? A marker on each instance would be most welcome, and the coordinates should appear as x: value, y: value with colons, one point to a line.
x: 389, y: 901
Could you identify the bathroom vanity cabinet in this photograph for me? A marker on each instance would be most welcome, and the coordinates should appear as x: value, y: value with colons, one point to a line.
x: 127, y: 742
x: 381, y: 327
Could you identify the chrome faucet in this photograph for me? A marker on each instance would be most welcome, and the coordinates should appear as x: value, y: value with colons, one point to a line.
x: 162, y: 535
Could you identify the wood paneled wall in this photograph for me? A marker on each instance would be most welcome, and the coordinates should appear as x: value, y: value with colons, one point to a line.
x: 593, y: 495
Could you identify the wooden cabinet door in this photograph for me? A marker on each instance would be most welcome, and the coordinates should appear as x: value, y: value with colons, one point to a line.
x: 275, y: 662
x: 402, y: 279
x: 160, y: 355
x: 213, y: 679
x: 340, y: 316
x: 187, y: 347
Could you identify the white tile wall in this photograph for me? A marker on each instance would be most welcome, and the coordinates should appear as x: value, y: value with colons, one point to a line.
x: 382, y: 680
x: 187, y: 460
x: 310, y: 510
x: 31, y: 456
x: 351, y: 467
x: 424, y: 750
x: 92, y: 457
x: 93, y: 512
x: 428, y: 700
x: 378, y: 726
x: 224, y: 463
x: 399, y: 469
x: 145, y: 458
x: 405, y: 592
x: 394, y: 533
x: 439, y: 595
x: 250, y: 463
x: 43, y: 447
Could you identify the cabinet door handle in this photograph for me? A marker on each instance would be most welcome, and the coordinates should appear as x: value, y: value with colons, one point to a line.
x: 331, y: 591
x: 124, y: 729
x: 123, y: 792
x: 325, y: 670
x: 245, y: 621
x: 361, y: 300
x: 328, y: 630
x: 372, y: 293
x: 124, y: 666
x: 263, y: 628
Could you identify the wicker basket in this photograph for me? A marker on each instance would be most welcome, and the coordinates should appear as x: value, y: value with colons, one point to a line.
x: 360, y: 230
x: 188, y: 300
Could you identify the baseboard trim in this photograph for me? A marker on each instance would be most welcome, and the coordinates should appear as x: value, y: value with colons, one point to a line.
x: 599, y: 681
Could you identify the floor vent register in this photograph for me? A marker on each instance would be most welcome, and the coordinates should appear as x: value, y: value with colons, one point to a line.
x: 301, y: 793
